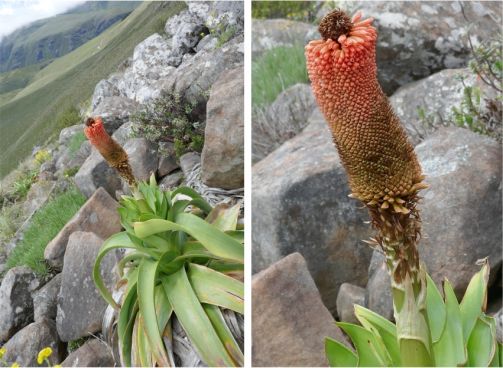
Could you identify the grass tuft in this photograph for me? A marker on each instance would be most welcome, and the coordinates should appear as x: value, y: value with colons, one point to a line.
x: 276, y: 70
x: 75, y: 142
x: 44, y: 226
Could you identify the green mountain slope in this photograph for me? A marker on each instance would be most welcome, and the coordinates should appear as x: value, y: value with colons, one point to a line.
x: 29, y: 119
x: 53, y: 37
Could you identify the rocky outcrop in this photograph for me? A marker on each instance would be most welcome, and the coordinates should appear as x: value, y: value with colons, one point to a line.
x: 287, y: 303
x: 222, y: 159
x: 24, y: 346
x: 286, y: 117
x: 98, y: 215
x: 94, y: 353
x: 143, y: 157
x: 418, y: 39
x: 434, y: 97
x: 16, y: 304
x: 80, y: 305
x: 115, y: 111
x: 300, y: 198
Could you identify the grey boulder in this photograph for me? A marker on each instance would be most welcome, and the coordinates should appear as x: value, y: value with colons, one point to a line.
x: 98, y: 215
x: 80, y: 305
x: 45, y: 300
x: 222, y: 159
x: 16, y: 304
x: 290, y: 321
x: 94, y: 353
x: 301, y: 193
x: 348, y: 296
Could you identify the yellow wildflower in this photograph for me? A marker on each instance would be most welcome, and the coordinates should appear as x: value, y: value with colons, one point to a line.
x: 43, y: 355
x: 14, y: 365
x: 2, y: 352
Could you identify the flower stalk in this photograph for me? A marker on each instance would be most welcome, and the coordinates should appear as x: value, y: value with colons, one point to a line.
x: 111, y: 151
x: 383, y: 170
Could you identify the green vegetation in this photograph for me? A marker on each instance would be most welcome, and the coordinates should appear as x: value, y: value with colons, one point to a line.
x: 29, y: 118
x: 75, y: 344
x: 46, y: 39
x: 75, y: 142
x: 44, y: 226
x: 11, y: 218
x: 276, y: 70
x: 167, y: 119
x: 180, y: 264
x: 304, y: 11
x: 17, y: 79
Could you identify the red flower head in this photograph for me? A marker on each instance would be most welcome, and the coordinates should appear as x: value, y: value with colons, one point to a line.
x: 372, y: 144
x: 111, y: 151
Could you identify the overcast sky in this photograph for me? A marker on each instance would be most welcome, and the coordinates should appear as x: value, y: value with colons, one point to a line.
x: 17, y: 13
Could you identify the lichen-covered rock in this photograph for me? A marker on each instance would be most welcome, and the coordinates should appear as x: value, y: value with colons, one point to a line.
x: 80, y: 305
x: 98, y: 215
x: 417, y: 39
x: 24, y: 346
x: 104, y: 88
x: 16, y: 304
x: 282, y: 120
x: 435, y: 97
x: 171, y: 181
x: 67, y: 134
x: 271, y: 33
x: 301, y: 193
x: 220, y: 16
x: 290, y: 321
x: 45, y: 300
x: 37, y: 195
x: 222, y: 159
x: 348, y: 296
x: 94, y: 353
x: 185, y: 30
x: 115, y: 111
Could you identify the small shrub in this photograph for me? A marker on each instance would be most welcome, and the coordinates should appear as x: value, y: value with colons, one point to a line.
x: 225, y: 36
x: 276, y: 70
x: 22, y: 184
x: 75, y: 344
x: 44, y: 226
x: 168, y: 119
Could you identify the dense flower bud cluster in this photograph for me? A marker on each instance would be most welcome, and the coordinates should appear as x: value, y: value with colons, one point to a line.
x: 382, y: 167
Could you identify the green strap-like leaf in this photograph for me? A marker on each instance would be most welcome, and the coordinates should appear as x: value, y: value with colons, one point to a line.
x: 163, y: 308
x: 435, y: 310
x: 474, y: 300
x: 125, y: 324
x: 482, y: 342
x: 119, y: 240
x: 215, y: 288
x: 202, y: 204
x: 338, y: 355
x: 144, y: 352
x: 385, y: 328
x: 217, y: 242
x: 369, y: 348
x: 194, y: 320
x: 450, y: 349
x: 146, y: 284
x: 225, y: 334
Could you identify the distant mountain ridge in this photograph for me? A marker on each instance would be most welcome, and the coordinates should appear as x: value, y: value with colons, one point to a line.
x: 47, y: 39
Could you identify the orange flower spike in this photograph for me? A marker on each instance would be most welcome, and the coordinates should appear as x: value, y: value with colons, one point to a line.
x: 371, y: 142
x: 111, y: 151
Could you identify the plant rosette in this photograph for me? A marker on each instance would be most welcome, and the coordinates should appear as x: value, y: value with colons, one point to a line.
x: 184, y: 259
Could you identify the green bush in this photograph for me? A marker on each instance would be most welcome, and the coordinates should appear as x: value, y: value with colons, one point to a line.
x: 44, y: 226
x: 22, y: 184
x: 168, y: 119
x: 295, y: 10
x: 276, y: 70
x: 66, y: 118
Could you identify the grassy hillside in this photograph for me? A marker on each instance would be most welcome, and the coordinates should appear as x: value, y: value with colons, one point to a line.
x: 30, y: 118
x: 52, y: 37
